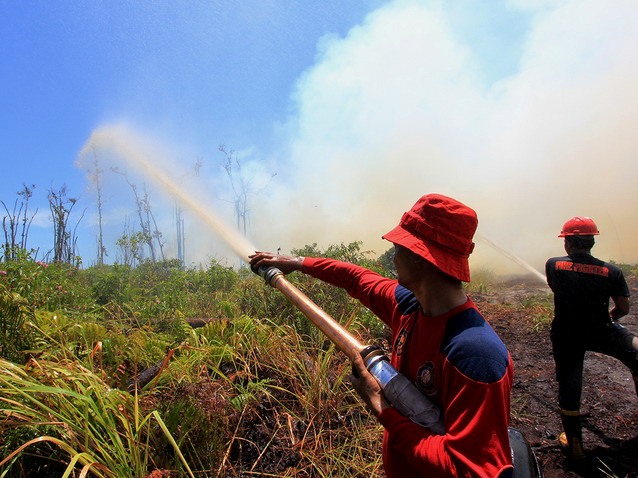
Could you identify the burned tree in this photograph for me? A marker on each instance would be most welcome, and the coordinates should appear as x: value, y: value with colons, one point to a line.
x: 240, y: 186
x: 96, y: 176
x: 150, y: 233
x: 64, y: 239
x: 232, y: 166
x: 16, y: 224
x: 179, y: 223
x: 179, y: 220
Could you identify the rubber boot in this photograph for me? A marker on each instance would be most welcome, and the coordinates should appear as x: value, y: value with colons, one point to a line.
x: 574, y: 435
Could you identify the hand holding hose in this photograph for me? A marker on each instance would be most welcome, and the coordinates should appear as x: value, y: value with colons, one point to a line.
x: 367, y: 387
x: 285, y: 264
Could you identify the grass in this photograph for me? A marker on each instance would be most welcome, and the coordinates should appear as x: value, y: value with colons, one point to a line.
x: 483, y: 280
x: 539, y: 310
x: 99, y: 428
x: 243, y: 375
x: 257, y: 391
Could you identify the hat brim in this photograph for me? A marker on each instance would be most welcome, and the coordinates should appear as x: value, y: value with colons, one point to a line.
x: 454, y: 265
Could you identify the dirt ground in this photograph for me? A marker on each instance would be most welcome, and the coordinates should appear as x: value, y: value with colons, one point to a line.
x: 609, y: 402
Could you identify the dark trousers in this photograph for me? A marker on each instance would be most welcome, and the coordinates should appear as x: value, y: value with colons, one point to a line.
x: 569, y: 354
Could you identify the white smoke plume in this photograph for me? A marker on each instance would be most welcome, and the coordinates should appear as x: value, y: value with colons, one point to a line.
x: 397, y: 109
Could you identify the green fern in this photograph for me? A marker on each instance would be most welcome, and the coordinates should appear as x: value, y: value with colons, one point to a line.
x: 249, y: 392
x: 15, y: 333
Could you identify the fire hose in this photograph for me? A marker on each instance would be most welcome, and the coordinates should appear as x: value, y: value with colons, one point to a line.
x: 398, y: 390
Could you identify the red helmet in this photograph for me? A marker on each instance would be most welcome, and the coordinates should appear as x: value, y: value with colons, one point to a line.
x: 579, y: 226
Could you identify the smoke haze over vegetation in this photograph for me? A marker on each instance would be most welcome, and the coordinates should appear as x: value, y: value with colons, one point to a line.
x: 407, y: 101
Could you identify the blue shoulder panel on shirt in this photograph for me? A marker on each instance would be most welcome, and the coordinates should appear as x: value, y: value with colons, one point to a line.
x: 473, y: 347
x: 406, y: 300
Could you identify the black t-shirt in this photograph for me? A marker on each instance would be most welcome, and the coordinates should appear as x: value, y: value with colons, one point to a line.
x: 582, y: 286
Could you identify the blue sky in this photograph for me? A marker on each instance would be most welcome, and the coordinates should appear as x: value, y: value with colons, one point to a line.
x: 223, y: 69
x: 347, y: 104
x: 209, y: 73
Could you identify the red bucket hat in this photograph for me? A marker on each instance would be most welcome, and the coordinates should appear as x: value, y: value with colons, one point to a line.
x: 439, y: 229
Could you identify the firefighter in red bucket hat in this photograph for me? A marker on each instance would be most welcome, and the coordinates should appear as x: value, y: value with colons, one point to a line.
x: 583, y: 286
x: 440, y: 341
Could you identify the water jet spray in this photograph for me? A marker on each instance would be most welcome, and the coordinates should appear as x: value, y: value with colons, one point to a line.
x: 135, y: 150
x: 515, y: 259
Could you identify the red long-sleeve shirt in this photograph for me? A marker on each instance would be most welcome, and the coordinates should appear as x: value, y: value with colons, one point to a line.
x: 457, y: 360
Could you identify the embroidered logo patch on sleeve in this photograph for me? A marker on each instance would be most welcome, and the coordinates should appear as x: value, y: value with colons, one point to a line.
x: 425, y: 379
x: 399, y: 343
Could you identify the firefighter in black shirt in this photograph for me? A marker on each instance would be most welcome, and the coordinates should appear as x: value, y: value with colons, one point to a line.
x: 582, y: 287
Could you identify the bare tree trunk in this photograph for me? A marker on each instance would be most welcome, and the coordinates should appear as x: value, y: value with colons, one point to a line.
x: 144, y: 223
x: 180, y: 234
x: 96, y: 177
x: 17, y: 221
x: 64, y: 241
x: 145, y: 216
x: 156, y: 234
x: 232, y: 165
